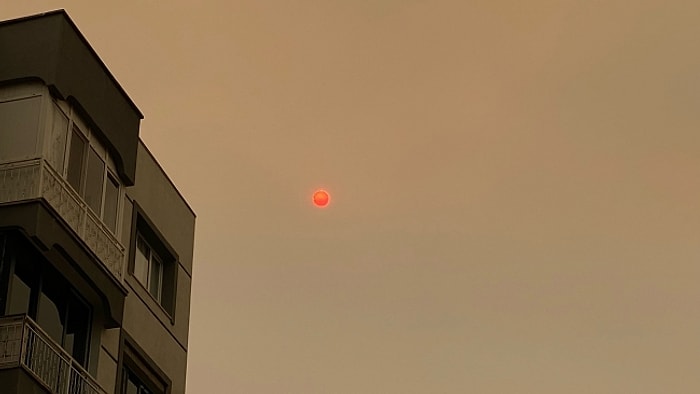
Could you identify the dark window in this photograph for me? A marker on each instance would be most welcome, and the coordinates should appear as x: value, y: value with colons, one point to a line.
x: 24, y: 279
x: 156, y: 278
x: 148, y: 268
x: 139, y: 374
x: 88, y: 174
x: 111, y: 202
x: 51, y: 310
x: 94, y: 181
x: 40, y: 291
x: 76, y: 159
x: 142, y: 260
x: 134, y: 385
x: 154, y: 263
x: 77, y: 335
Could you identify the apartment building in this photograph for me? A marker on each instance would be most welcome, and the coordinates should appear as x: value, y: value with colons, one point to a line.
x: 96, y: 243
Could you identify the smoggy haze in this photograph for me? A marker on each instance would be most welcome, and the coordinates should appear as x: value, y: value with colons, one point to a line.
x: 515, y: 188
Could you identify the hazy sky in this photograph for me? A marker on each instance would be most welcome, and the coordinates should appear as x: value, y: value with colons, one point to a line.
x: 515, y: 188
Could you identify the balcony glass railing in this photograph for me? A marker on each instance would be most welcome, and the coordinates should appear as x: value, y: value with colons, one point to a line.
x: 32, y: 179
x: 24, y: 344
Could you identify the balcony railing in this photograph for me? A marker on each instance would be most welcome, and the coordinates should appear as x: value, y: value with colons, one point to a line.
x: 23, y: 343
x: 32, y: 179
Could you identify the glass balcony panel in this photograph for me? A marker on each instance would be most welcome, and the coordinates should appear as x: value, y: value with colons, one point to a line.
x: 111, y: 203
x: 24, y: 280
x: 59, y: 134
x: 76, y: 159
x: 77, y: 330
x: 94, y: 181
x: 19, y: 128
x: 48, y: 315
x: 20, y: 293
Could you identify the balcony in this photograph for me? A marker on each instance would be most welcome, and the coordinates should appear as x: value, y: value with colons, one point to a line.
x: 34, y: 179
x: 24, y: 344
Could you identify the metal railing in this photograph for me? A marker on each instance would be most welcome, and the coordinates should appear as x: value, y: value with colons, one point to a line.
x: 32, y: 179
x: 23, y: 343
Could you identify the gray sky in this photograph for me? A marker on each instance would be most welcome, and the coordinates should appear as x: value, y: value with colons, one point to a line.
x: 514, y: 188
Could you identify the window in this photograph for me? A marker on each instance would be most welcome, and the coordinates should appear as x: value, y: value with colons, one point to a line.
x: 37, y: 289
x: 83, y: 160
x: 94, y: 181
x: 139, y: 374
x: 76, y: 160
x: 63, y: 315
x: 59, y: 135
x: 111, y: 205
x: 23, y: 284
x: 19, y: 131
x: 154, y: 262
x: 148, y: 268
x: 133, y: 385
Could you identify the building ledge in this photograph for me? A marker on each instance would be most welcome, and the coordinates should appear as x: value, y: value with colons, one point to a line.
x: 32, y: 179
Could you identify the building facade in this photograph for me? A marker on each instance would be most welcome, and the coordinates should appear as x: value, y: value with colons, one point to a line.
x: 96, y: 243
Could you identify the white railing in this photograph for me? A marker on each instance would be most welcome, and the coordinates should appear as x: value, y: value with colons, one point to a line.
x: 24, y: 343
x: 32, y: 179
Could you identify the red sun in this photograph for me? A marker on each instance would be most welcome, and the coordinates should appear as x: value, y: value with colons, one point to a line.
x: 321, y: 198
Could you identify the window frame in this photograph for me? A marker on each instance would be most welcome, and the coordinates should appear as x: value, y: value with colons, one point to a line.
x: 128, y: 376
x: 92, y: 141
x: 141, y: 225
x: 75, y: 132
x: 44, y: 275
x: 135, y: 361
x: 147, y: 282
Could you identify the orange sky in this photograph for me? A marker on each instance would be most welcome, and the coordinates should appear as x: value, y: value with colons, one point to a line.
x: 514, y: 188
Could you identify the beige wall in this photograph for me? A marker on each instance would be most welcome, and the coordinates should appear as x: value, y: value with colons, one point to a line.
x: 164, y: 205
x: 107, y: 371
x: 164, y: 341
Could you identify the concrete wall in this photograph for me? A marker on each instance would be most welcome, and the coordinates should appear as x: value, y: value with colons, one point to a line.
x: 108, y: 360
x: 162, y: 336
